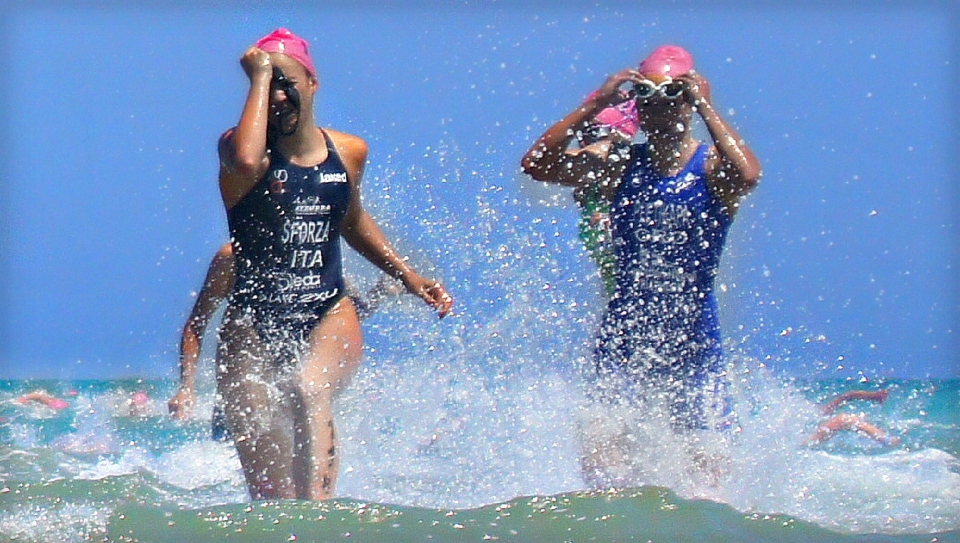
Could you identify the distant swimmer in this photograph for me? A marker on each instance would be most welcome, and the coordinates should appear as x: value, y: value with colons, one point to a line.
x: 610, y: 132
x: 852, y: 422
x: 43, y: 398
x: 290, y: 340
x: 673, y: 200
x: 138, y: 404
x: 216, y: 287
x: 878, y: 396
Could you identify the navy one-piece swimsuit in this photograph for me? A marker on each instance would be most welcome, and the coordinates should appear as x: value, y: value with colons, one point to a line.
x: 661, y: 322
x: 286, y: 240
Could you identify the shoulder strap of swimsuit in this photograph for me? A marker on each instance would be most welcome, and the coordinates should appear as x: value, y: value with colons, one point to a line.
x: 699, y: 159
x: 332, y: 149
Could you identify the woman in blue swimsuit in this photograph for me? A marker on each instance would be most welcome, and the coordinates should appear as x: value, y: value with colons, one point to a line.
x: 290, y: 339
x: 672, y: 202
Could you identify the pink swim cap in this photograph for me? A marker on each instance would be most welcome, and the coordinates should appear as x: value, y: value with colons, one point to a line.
x: 57, y: 403
x: 669, y: 60
x: 621, y: 117
x: 283, y: 41
x: 140, y: 398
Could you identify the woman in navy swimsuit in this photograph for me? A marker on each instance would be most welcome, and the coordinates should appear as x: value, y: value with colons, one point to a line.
x: 290, y: 339
x: 672, y: 202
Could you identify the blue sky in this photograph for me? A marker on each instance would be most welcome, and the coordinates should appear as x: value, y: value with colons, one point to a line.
x: 842, y: 262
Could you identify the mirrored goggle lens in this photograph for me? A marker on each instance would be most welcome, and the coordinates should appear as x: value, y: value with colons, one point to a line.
x: 644, y: 90
x: 281, y: 82
x: 672, y: 90
x: 595, y: 132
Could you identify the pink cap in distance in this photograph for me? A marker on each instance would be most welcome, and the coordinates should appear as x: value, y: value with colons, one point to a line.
x: 621, y: 117
x: 283, y: 41
x: 668, y: 60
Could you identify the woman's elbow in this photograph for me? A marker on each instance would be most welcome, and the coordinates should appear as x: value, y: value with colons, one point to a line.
x: 246, y: 164
x: 535, y: 168
x: 750, y: 178
x: 753, y: 174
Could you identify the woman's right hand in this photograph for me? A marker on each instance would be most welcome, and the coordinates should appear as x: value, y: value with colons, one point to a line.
x: 256, y: 61
x: 612, y: 92
x: 181, y: 405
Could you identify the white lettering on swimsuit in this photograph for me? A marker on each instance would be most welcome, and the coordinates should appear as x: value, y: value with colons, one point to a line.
x: 305, y: 231
x: 339, y: 177
x: 306, y: 258
x: 293, y: 298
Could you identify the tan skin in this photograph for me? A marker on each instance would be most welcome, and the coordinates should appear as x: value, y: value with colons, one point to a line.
x: 731, y: 170
x: 262, y: 400
x: 848, y: 421
x: 216, y: 288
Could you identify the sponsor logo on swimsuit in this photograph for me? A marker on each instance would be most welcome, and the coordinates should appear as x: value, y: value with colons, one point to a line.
x: 315, y: 297
x: 339, y: 177
x: 310, y: 205
x: 278, y: 185
x: 665, y: 224
x: 294, y: 298
x: 292, y: 282
x: 681, y: 184
x: 285, y: 299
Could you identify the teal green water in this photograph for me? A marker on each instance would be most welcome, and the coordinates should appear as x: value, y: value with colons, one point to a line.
x: 646, y: 514
x: 498, y: 468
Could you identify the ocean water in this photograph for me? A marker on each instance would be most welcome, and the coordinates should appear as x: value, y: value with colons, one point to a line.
x: 468, y: 429
x: 478, y: 460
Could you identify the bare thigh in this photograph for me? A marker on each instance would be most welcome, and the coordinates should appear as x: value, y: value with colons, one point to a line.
x: 335, y: 349
x: 333, y: 356
x: 259, y: 403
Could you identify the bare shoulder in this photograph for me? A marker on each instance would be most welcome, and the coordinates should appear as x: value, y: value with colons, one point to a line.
x: 225, y: 250
x: 348, y: 144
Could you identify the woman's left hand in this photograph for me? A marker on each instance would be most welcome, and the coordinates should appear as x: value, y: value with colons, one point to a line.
x: 433, y: 293
x: 696, y: 87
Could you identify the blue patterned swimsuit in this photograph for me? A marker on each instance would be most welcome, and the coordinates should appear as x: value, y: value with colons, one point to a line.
x: 661, y: 327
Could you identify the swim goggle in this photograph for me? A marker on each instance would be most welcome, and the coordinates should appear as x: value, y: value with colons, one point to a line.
x: 668, y: 89
x: 281, y: 82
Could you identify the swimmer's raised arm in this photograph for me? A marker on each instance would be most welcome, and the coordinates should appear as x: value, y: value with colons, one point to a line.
x: 732, y: 169
x: 243, y: 149
x: 550, y: 159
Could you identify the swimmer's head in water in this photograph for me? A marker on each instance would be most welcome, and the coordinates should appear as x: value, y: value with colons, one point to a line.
x: 285, y: 42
